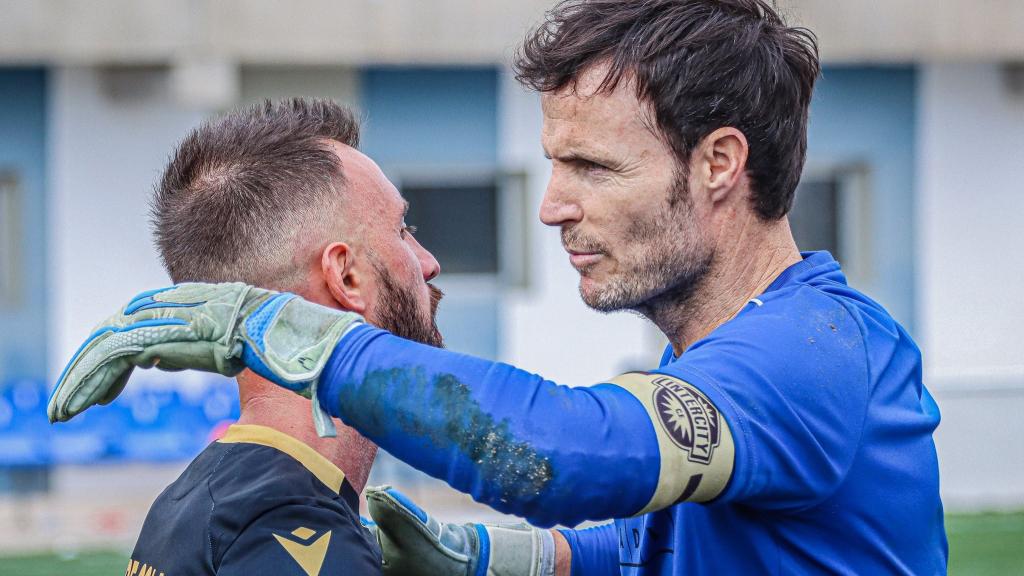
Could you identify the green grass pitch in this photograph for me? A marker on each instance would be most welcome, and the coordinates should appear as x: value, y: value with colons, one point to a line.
x: 979, y: 545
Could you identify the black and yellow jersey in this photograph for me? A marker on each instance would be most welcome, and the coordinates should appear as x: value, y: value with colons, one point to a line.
x: 256, y: 502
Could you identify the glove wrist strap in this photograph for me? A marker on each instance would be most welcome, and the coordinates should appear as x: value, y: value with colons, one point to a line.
x: 519, y: 550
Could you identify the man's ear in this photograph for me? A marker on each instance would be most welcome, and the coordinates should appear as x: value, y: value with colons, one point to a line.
x: 345, y: 276
x: 720, y: 162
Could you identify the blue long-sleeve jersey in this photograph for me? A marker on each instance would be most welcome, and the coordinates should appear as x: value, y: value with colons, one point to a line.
x: 801, y: 426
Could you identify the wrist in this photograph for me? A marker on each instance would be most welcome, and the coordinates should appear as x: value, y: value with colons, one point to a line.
x: 517, y: 549
x: 334, y: 374
x: 563, y: 554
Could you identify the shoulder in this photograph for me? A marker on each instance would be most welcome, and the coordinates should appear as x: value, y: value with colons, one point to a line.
x: 300, y: 538
x: 260, y: 487
x: 250, y: 478
x: 800, y: 334
x: 248, y: 508
x: 175, y: 535
x: 256, y: 467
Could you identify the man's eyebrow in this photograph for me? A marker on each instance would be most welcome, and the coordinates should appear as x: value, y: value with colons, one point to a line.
x: 405, y: 209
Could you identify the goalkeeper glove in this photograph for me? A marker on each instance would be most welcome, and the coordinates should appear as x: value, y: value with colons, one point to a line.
x: 415, y: 544
x: 220, y: 328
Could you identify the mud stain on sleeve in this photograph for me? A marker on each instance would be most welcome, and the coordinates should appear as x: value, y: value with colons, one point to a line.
x: 405, y: 402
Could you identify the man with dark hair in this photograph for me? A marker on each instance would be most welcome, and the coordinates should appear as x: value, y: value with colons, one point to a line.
x: 278, y: 195
x: 786, y: 430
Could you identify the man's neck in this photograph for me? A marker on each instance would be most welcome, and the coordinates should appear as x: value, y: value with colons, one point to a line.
x: 265, y: 404
x: 744, y: 266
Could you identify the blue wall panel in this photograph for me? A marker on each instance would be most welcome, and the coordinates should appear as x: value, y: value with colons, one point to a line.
x: 23, y: 153
x: 431, y: 116
x: 866, y: 115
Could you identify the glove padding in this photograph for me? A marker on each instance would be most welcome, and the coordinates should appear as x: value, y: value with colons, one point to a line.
x: 220, y: 328
x: 415, y: 544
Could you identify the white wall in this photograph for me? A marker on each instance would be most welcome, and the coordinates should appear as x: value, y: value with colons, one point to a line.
x: 971, y: 278
x: 106, y: 154
x: 445, y: 31
x: 546, y: 327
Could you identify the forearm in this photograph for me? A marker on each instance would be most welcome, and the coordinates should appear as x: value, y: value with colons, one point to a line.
x: 519, y: 443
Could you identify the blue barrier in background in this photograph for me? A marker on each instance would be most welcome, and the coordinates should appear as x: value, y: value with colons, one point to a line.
x: 146, y: 423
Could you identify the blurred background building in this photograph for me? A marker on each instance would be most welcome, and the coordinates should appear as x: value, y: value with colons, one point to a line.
x: 913, y: 180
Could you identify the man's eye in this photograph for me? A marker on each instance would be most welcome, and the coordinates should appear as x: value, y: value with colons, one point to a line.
x: 591, y: 166
x: 410, y: 230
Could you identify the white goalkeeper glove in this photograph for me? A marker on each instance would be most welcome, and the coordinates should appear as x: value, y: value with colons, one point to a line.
x: 415, y: 544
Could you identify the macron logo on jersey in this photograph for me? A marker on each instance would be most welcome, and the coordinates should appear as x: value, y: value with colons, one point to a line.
x: 310, y: 556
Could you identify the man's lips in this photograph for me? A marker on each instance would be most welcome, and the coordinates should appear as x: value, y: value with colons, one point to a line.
x: 582, y: 259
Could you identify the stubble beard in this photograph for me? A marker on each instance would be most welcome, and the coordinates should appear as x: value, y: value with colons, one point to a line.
x: 665, y: 271
x: 398, y: 311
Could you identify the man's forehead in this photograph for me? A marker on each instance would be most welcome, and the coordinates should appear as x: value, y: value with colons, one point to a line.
x: 366, y: 181
x: 589, y: 93
x: 574, y: 118
x: 354, y: 161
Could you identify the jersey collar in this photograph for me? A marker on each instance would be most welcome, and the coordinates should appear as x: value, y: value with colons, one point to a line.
x: 812, y: 264
x: 319, y: 466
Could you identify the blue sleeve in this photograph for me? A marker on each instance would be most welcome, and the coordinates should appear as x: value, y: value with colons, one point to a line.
x: 595, y: 551
x: 514, y: 441
x: 793, y: 383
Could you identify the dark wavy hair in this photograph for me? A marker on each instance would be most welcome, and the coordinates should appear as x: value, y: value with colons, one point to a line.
x: 700, y: 65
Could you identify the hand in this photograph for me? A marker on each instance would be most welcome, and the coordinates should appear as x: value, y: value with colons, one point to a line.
x: 415, y: 544
x: 220, y: 328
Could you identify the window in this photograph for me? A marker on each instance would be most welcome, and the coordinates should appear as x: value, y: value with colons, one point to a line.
x: 832, y: 212
x: 457, y: 223
x: 10, y: 229
x: 815, y: 216
x: 474, y: 224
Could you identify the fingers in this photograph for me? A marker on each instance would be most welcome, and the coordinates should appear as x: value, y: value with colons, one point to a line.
x: 77, y: 392
x: 187, y: 326
x: 196, y: 293
x: 98, y: 371
x: 186, y: 295
x: 408, y: 547
x: 415, y: 544
x: 146, y: 300
x: 73, y: 386
x: 382, y: 505
x: 396, y: 499
x: 399, y: 517
x: 101, y: 386
x: 117, y: 387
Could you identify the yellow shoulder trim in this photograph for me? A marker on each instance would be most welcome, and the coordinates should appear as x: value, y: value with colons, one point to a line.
x: 694, y: 440
x: 316, y: 463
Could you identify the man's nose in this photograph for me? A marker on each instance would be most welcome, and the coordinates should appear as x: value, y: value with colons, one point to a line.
x: 559, y: 207
x: 428, y: 264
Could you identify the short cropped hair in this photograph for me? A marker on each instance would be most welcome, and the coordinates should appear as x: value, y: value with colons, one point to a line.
x: 700, y: 65
x: 240, y: 189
